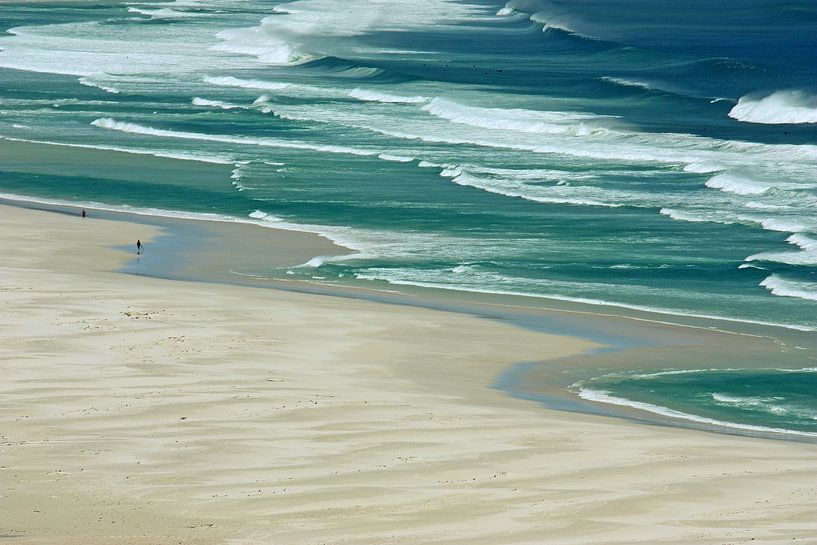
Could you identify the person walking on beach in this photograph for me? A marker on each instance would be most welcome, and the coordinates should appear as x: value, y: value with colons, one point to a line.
x: 83, y: 213
x: 138, y: 247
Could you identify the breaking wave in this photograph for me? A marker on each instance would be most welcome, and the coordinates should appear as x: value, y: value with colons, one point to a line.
x: 782, y: 287
x: 374, y: 96
x: 779, y: 107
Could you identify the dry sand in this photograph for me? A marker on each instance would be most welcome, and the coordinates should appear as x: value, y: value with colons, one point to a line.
x: 138, y: 410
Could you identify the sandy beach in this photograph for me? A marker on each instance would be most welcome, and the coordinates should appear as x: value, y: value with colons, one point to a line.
x: 137, y: 410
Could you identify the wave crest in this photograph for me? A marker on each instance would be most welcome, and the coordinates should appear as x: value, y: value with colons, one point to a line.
x: 374, y: 96
x: 780, y: 107
x: 515, y: 119
x: 790, y: 288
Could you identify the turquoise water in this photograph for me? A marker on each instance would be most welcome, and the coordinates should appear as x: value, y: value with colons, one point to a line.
x: 650, y: 156
x: 751, y: 400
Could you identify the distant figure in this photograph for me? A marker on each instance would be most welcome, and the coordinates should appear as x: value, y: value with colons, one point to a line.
x: 83, y: 213
x: 138, y: 247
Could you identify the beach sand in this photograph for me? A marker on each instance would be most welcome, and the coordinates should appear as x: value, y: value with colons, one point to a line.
x: 136, y: 410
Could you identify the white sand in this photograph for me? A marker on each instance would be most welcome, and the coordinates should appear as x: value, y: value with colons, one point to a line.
x: 135, y: 410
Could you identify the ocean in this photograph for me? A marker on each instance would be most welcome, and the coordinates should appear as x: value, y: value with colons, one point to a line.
x: 627, y: 155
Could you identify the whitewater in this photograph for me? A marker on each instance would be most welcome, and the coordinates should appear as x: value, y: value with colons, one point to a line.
x: 529, y: 147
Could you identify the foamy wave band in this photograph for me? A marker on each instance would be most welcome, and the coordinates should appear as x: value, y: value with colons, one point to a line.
x: 198, y: 101
x: 89, y: 82
x: 181, y: 156
x: 599, y: 396
x: 737, y: 184
x: 133, y: 128
x: 229, y: 81
x: 807, y: 255
x: 777, y: 108
x: 515, y: 119
x: 629, y: 83
x: 374, y: 96
x: 166, y: 13
x: 370, y: 275
x: 790, y: 288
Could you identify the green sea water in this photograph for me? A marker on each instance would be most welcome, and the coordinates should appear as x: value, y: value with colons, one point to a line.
x: 654, y: 158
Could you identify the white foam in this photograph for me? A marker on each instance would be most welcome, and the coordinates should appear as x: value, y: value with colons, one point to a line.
x: 681, y: 215
x: 182, y: 156
x: 535, y: 193
x: 804, y: 242
x: 374, y: 96
x: 316, y: 262
x: 451, y: 171
x: 782, y: 287
x: 679, y: 372
x: 298, y: 32
x: 134, y: 128
x: 92, y: 82
x: 255, y: 42
x: 765, y: 206
x: 395, y: 158
x: 630, y: 83
x: 572, y: 134
x: 504, y: 12
x: 779, y: 107
x: 739, y: 185
x: 197, y: 101
x: 768, y: 404
x: 807, y: 255
x: 553, y: 21
x: 373, y: 274
x: 428, y: 164
x: 514, y: 119
x: 140, y: 211
x: 166, y: 13
x: 229, y: 81
x: 784, y: 225
x: 94, y: 49
x: 600, y: 396
x: 748, y: 402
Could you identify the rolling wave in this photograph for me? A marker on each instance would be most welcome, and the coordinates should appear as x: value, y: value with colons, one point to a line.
x: 783, y: 287
x: 601, y: 396
x: 739, y: 185
x: 230, y: 81
x: 777, y: 108
x: 519, y: 120
x: 134, y: 128
x: 807, y: 255
x: 374, y: 96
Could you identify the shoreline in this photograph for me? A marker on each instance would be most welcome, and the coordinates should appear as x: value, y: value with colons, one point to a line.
x: 732, y: 326
x: 195, y: 246
x: 139, y: 410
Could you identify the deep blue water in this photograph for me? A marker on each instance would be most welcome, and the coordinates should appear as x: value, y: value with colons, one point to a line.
x: 640, y: 154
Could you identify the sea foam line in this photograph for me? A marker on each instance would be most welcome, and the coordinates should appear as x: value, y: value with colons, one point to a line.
x: 182, y: 156
x: 780, y: 107
x: 134, y: 128
x: 374, y: 96
x: 229, y: 81
x: 586, y: 301
x: 601, y: 396
x: 782, y: 287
